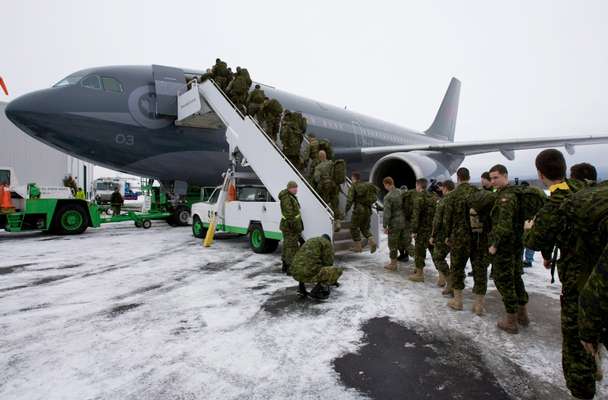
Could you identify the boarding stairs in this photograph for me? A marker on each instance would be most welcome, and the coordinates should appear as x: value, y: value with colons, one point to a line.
x: 250, y: 146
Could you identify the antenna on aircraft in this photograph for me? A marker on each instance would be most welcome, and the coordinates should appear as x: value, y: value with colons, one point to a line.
x: 3, y: 85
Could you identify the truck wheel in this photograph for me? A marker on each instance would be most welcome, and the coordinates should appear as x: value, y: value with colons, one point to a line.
x: 71, y: 219
x: 146, y: 224
x: 198, y: 229
x: 258, y: 241
x: 138, y: 224
x: 182, y: 215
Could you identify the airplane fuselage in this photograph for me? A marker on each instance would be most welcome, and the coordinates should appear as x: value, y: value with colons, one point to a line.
x: 120, y: 129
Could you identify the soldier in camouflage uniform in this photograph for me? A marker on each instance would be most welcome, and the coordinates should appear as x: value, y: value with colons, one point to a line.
x: 313, y: 263
x: 324, y: 183
x: 238, y: 88
x: 255, y: 99
x: 440, y: 248
x: 506, y: 247
x: 310, y: 156
x: 593, y: 308
x: 359, y: 195
x: 545, y: 234
x: 422, y: 224
x: 464, y: 245
x: 221, y: 74
x: 270, y: 117
x: 393, y: 221
x: 293, y: 128
x: 291, y: 224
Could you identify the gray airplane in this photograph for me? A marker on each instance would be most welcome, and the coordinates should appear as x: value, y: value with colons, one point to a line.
x: 123, y: 118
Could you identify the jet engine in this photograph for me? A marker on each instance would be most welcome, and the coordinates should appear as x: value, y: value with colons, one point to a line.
x: 406, y: 167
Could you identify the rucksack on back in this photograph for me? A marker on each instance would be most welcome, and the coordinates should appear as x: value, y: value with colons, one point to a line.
x: 339, y: 171
x: 407, y: 203
x: 369, y: 195
x: 586, y: 211
x: 531, y: 200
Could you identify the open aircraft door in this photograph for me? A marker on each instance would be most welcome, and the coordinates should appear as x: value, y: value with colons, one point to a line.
x: 167, y: 82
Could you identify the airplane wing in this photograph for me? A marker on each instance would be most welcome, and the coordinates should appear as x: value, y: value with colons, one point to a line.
x: 505, y: 147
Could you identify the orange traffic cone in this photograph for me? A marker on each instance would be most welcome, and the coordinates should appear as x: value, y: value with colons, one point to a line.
x: 6, y: 206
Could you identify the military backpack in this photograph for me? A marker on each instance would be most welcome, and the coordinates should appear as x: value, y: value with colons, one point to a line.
x: 367, y: 194
x: 586, y: 213
x: 407, y: 203
x: 529, y: 201
x: 339, y: 171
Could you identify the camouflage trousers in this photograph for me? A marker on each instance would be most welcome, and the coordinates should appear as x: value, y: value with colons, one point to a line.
x: 360, y: 222
x: 396, y: 242
x: 507, y: 272
x: 291, y: 244
x: 420, y: 247
x: 477, y: 251
x: 325, y: 275
x: 439, y: 254
x: 329, y: 194
x: 406, y: 245
x: 578, y: 365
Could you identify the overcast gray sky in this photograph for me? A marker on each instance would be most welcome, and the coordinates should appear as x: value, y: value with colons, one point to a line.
x: 528, y: 68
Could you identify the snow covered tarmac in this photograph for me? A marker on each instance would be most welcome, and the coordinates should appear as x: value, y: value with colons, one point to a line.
x: 122, y: 313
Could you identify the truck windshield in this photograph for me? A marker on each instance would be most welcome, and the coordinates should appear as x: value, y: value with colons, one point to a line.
x: 106, y: 185
x: 5, y: 177
x: 214, y: 196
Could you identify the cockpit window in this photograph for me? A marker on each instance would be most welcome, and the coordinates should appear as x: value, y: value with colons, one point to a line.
x: 70, y: 80
x: 91, y: 82
x: 111, y: 84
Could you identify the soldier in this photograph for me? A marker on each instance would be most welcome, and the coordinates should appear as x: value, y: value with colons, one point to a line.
x: 584, y: 172
x: 545, y: 234
x: 255, y: 99
x: 207, y: 75
x: 291, y: 224
x: 270, y: 117
x: 506, y: 247
x: 221, y: 74
x: 238, y: 88
x: 437, y: 240
x: 459, y: 237
x: 293, y: 128
x: 311, y: 155
x: 324, y: 182
x: 393, y: 221
x: 116, y: 201
x: 80, y: 194
x: 313, y: 263
x: 593, y: 308
x: 362, y: 195
x: 486, y: 184
x: 405, y: 246
x: 422, y: 222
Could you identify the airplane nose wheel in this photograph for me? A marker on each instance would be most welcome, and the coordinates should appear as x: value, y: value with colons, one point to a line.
x: 180, y: 216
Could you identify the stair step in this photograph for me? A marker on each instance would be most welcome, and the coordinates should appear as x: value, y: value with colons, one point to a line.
x: 343, y: 234
x: 342, y: 245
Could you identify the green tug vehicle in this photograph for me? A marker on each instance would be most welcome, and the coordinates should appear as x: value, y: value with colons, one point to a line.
x: 55, y: 210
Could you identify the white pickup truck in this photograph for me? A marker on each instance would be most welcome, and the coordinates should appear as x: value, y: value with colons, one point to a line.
x: 254, y: 213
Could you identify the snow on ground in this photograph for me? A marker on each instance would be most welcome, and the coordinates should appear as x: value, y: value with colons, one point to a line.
x: 123, y: 313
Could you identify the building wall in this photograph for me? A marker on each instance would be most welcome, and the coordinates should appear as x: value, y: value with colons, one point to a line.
x: 36, y: 162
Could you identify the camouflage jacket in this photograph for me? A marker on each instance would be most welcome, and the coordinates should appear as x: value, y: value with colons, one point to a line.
x: 291, y: 220
x: 423, y: 212
x: 438, y: 232
x: 593, y: 304
x: 393, y: 210
x: 456, y: 214
x: 314, y: 254
x: 505, y: 233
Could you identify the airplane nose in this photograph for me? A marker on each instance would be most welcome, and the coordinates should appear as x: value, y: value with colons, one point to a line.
x: 31, y: 112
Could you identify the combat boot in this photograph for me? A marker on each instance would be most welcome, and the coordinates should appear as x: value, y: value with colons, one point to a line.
x: 456, y: 302
x: 392, y: 265
x: 522, y: 316
x: 320, y: 292
x: 417, y: 276
x: 403, y: 256
x: 372, y: 245
x: 441, y: 281
x: 357, y: 248
x: 284, y: 268
x: 509, y: 324
x: 478, y: 305
x: 302, y: 289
